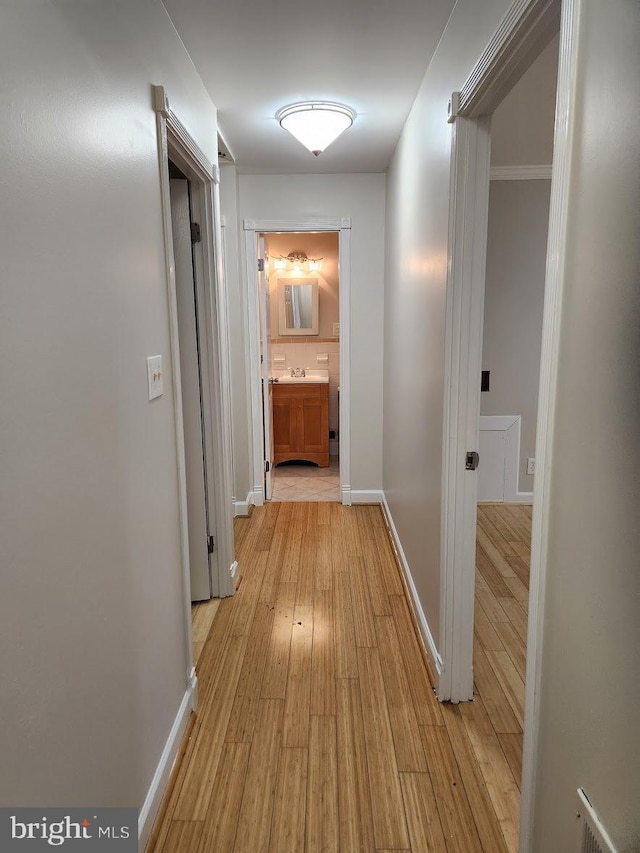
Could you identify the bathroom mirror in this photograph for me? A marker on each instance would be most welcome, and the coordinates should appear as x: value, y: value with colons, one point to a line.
x: 298, y: 306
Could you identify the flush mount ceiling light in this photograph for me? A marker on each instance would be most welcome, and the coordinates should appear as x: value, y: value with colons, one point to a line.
x: 316, y: 124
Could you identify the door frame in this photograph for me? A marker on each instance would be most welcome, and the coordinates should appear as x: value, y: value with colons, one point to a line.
x: 526, y: 29
x: 175, y: 142
x: 265, y: 353
x: 253, y: 227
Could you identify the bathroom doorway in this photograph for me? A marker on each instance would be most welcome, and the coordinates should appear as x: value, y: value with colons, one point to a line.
x: 304, y: 349
x: 298, y: 307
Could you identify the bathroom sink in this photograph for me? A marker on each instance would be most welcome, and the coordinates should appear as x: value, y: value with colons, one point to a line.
x: 302, y: 380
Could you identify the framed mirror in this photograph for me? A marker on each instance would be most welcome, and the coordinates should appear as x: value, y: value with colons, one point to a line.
x: 297, y: 306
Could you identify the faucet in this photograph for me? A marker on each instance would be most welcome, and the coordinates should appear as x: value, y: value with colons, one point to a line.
x: 297, y: 373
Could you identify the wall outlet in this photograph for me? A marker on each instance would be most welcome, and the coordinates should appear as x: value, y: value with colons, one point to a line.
x: 531, y: 465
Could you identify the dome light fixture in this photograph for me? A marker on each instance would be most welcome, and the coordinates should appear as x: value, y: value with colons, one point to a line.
x: 316, y: 124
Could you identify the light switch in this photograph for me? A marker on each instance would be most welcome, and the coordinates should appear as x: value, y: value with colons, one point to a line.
x: 154, y: 375
x: 336, y: 330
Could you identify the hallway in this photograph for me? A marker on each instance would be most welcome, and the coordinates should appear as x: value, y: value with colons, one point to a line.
x: 317, y: 726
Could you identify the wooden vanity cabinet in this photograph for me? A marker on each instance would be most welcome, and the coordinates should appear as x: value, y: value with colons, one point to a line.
x: 301, y: 422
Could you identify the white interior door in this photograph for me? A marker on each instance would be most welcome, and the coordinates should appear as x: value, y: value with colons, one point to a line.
x: 197, y: 508
x: 265, y: 372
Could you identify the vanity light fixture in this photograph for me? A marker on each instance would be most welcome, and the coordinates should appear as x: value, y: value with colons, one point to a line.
x: 316, y: 124
x: 296, y: 261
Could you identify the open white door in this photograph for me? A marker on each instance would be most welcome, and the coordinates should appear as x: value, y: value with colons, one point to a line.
x: 265, y: 364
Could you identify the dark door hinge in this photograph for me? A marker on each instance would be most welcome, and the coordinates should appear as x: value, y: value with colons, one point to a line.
x: 211, y: 545
x: 260, y: 264
x: 195, y: 233
x: 267, y: 466
x: 472, y: 460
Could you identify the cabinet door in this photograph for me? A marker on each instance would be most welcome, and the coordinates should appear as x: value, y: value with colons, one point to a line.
x: 285, y: 433
x: 313, y: 425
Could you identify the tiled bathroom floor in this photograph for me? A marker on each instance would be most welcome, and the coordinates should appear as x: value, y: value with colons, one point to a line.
x: 304, y: 481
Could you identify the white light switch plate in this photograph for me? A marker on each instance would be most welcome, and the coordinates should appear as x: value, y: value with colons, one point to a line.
x: 154, y: 375
x: 336, y: 330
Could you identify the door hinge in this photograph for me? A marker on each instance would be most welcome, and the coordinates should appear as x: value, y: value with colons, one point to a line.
x: 267, y: 466
x: 472, y: 460
x: 211, y: 545
x: 195, y: 233
x: 260, y: 264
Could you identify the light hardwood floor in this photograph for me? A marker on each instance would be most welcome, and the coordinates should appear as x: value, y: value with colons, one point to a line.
x: 318, y: 729
x: 202, y: 616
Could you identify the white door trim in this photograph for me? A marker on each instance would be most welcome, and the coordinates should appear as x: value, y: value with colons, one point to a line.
x: 525, y: 31
x: 521, y: 173
x: 549, y: 362
x: 253, y: 227
x: 265, y: 358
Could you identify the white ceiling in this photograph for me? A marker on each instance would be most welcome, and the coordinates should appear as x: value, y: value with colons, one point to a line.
x: 255, y: 56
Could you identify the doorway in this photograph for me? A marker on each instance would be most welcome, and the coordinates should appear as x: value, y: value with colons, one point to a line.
x: 316, y: 428
x: 194, y: 380
x: 301, y: 345
x: 203, y: 282
x: 517, y: 236
x: 511, y: 52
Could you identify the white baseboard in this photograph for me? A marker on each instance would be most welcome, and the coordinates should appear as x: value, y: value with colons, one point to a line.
x: 345, y: 495
x: 241, y: 508
x: 367, y: 496
x: 423, y: 625
x: 152, y: 801
x: 523, y: 498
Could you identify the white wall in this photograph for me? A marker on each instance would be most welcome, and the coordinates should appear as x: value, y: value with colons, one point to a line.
x: 416, y: 274
x: 93, y: 661
x: 590, y: 688
x: 360, y: 197
x: 514, y: 299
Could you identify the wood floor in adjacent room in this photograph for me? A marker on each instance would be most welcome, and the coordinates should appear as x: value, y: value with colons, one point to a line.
x: 317, y: 727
